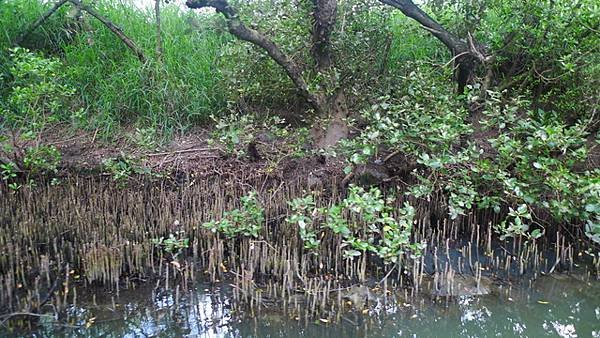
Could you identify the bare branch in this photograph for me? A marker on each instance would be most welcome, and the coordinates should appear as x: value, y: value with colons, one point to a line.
x: 116, y: 30
x: 39, y: 21
x: 466, y: 54
x: 113, y: 28
x: 408, y: 8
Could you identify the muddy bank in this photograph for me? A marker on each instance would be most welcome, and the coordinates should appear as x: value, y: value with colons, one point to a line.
x: 92, y: 230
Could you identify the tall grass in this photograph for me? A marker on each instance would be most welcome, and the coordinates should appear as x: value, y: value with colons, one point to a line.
x: 410, y: 42
x: 113, y: 86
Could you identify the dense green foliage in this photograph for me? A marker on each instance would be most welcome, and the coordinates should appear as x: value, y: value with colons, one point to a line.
x: 528, y: 160
x: 519, y: 141
x: 37, y: 97
x: 375, y: 226
x: 112, y: 86
x: 246, y: 221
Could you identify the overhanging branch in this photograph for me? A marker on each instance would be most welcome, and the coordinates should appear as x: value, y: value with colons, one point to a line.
x: 466, y: 54
x: 112, y: 27
x: 39, y: 22
x: 408, y: 8
x: 238, y: 29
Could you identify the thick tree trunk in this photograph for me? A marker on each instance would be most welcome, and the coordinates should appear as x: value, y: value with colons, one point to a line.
x: 324, y: 15
x: 337, y: 129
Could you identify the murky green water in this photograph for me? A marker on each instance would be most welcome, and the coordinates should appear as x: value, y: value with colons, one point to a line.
x: 558, y: 305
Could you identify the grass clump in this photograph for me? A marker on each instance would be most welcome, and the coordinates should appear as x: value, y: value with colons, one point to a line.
x: 111, y: 88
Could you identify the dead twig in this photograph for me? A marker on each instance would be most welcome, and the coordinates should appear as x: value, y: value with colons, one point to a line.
x: 182, y: 151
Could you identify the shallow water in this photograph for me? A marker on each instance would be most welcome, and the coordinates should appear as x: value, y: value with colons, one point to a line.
x: 96, y: 234
x: 557, y: 305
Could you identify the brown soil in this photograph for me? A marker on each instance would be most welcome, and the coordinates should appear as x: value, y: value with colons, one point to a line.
x: 192, y: 154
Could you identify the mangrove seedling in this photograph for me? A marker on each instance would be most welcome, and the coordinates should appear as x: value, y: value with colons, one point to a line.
x: 247, y: 220
x: 173, y: 245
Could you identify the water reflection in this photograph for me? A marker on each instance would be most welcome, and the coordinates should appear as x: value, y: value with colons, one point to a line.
x: 554, y: 306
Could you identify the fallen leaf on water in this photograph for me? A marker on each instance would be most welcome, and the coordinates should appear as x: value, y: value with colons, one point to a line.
x: 543, y: 302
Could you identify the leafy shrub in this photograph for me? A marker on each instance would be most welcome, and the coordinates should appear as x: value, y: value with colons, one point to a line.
x: 364, y: 221
x: 41, y: 159
x: 9, y: 173
x: 236, y: 132
x: 38, y: 95
x: 246, y: 221
x: 122, y: 168
x: 526, y: 161
x: 146, y: 137
x: 545, y: 50
x: 174, y: 244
